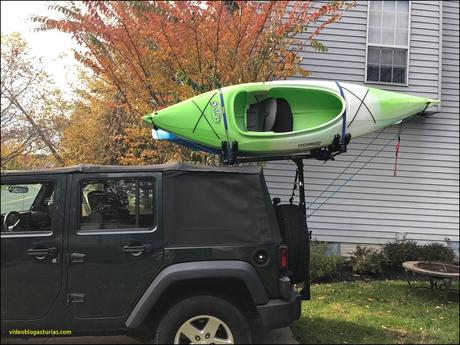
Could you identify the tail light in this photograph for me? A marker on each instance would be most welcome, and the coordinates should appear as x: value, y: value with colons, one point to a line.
x: 284, y: 258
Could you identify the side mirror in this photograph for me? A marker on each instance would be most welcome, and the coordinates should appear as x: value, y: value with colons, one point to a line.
x: 18, y: 189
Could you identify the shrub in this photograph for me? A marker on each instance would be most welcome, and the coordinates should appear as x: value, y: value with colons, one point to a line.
x: 436, y: 252
x: 324, y: 267
x: 396, y: 253
x: 366, y: 260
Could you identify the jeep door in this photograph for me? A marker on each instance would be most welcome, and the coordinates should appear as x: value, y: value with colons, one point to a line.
x: 32, y: 215
x: 115, y: 241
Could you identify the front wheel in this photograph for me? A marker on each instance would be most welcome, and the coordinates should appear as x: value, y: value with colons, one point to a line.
x: 203, y: 320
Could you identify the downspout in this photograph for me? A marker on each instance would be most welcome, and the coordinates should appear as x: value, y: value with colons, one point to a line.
x: 440, y: 55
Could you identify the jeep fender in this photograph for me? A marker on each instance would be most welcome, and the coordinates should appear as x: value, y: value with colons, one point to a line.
x: 195, y: 270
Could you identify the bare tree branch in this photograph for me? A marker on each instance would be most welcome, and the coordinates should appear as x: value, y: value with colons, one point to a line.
x: 37, y: 128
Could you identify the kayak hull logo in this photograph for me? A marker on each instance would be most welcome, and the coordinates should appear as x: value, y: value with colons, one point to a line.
x: 216, y: 112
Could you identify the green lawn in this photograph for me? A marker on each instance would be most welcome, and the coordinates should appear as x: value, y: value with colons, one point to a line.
x: 378, y: 312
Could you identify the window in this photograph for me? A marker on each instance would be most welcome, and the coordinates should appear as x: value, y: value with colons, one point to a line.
x: 388, y: 42
x: 117, y: 204
x: 26, y: 207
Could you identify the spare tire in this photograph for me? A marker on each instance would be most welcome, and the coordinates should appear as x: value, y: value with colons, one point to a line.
x: 293, y: 228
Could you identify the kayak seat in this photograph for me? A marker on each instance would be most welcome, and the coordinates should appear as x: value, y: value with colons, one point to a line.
x: 284, y: 121
x: 270, y: 115
x: 261, y: 115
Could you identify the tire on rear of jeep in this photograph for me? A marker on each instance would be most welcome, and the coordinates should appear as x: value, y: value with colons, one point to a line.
x: 202, y: 318
x: 295, y: 235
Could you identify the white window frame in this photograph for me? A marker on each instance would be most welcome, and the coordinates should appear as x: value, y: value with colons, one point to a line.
x: 388, y: 46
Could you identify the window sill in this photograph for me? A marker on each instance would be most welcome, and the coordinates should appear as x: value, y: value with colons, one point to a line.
x: 386, y: 83
x: 117, y: 231
x: 27, y: 234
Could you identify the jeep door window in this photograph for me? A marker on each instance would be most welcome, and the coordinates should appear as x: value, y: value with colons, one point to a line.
x: 26, y: 207
x: 117, y: 204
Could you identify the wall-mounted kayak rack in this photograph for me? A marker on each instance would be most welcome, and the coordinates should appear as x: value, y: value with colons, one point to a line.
x: 230, y: 157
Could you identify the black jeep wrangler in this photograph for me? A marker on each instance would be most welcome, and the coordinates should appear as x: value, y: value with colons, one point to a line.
x: 187, y: 254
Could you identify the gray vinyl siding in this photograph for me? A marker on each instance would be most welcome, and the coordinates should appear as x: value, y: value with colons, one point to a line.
x: 450, y: 62
x: 356, y: 198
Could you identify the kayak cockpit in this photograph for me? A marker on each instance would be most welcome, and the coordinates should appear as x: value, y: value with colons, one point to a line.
x: 270, y: 114
x: 283, y: 110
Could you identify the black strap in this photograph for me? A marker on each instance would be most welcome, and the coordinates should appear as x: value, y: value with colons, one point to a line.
x: 343, y: 146
x: 291, y: 199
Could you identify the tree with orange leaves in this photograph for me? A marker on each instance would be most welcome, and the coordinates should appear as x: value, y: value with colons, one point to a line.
x: 157, y: 53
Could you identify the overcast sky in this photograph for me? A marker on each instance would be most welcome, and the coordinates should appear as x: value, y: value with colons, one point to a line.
x: 47, y: 44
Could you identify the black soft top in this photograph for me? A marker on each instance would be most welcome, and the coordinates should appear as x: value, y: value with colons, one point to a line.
x: 96, y: 168
x: 203, y: 208
x: 202, y: 205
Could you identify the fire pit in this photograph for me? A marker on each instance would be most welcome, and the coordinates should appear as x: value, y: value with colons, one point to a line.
x: 440, y: 274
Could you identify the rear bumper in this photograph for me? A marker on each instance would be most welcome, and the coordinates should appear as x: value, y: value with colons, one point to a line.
x: 279, y: 313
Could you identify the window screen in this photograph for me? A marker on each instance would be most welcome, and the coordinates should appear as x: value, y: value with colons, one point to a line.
x: 388, y: 41
x: 117, y: 204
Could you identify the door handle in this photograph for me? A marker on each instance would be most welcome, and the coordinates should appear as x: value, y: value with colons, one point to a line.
x: 137, y: 250
x: 41, y: 253
x: 77, y: 257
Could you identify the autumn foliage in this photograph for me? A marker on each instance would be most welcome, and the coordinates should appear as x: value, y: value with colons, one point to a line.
x: 151, y: 54
x: 33, y: 110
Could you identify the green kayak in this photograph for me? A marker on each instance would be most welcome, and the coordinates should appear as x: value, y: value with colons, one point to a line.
x: 283, y: 117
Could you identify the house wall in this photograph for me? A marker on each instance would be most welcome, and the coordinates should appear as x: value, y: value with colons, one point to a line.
x: 356, y: 199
